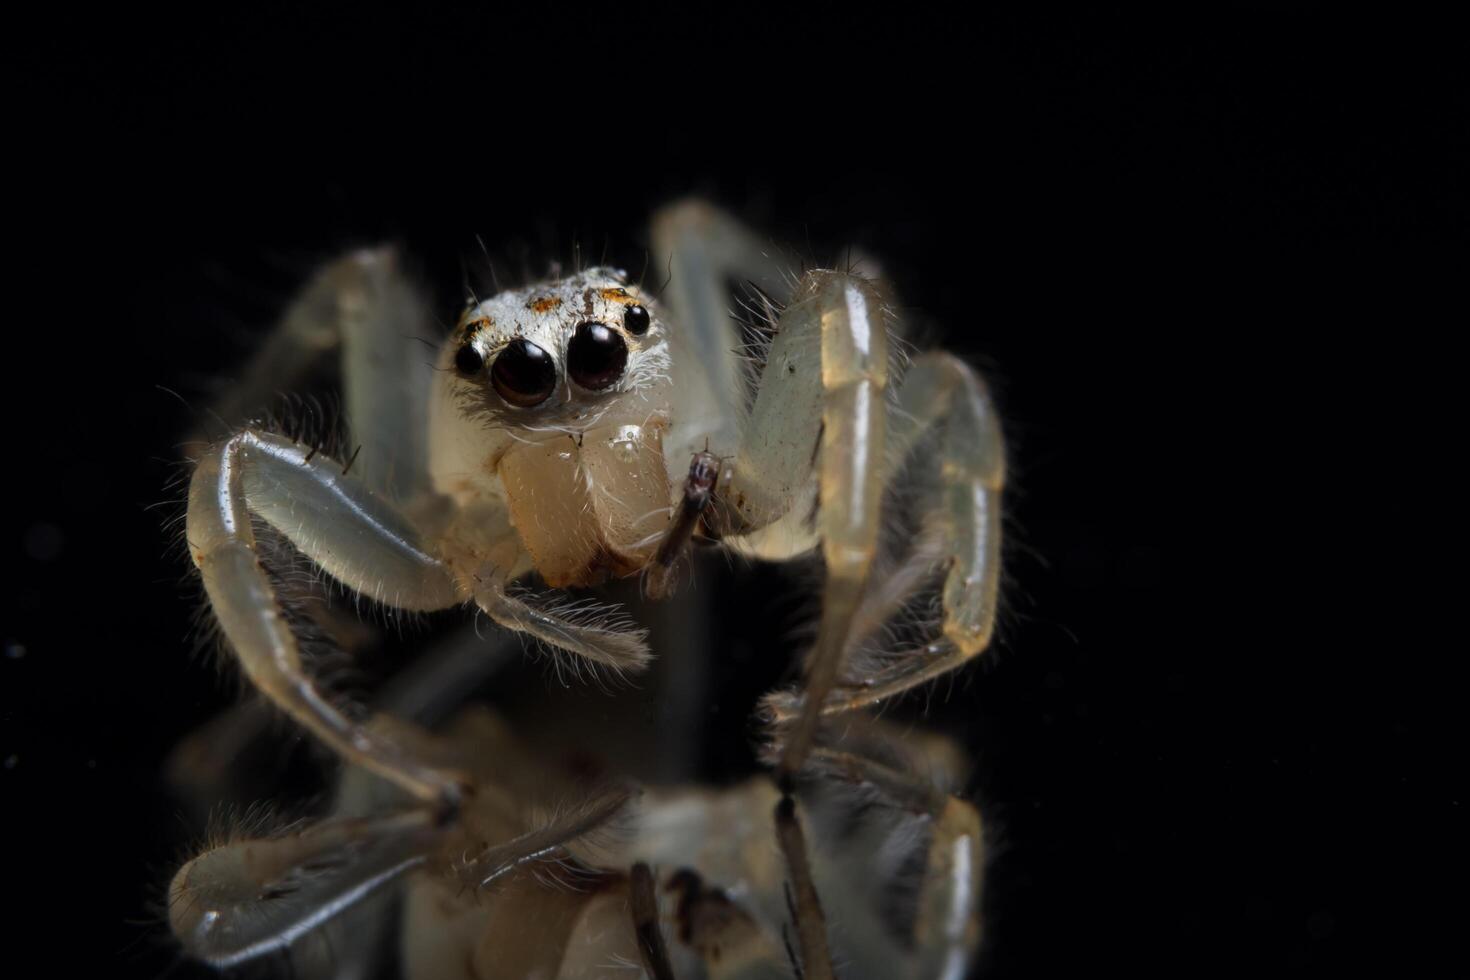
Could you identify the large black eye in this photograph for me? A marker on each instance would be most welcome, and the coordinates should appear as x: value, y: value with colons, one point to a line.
x: 524, y: 374
x: 636, y: 320
x: 468, y: 360
x: 596, y: 356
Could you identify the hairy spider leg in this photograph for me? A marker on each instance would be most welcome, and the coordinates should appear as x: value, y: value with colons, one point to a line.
x: 917, y: 775
x: 694, y: 499
x: 249, y: 898
x: 837, y: 328
x: 363, y: 542
x: 806, y: 908
x: 355, y: 536
x: 703, y: 250
x: 643, y: 904
x: 944, y: 398
x: 365, y: 310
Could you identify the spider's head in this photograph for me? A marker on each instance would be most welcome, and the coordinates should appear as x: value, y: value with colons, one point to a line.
x: 554, y: 399
x: 557, y: 354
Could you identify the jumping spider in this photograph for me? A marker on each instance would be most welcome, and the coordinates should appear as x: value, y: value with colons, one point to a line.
x: 580, y: 429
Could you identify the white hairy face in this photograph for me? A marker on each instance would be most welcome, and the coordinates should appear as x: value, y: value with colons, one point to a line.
x: 558, y: 356
x: 555, y: 399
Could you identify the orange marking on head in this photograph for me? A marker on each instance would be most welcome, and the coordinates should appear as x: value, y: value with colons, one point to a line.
x: 544, y: 304
x: 618, y: 295
x: 469, y: 328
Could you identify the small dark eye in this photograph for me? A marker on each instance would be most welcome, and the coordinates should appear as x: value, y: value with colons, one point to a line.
x: 468, y: 360
x: 596, y: 356
x: 636, y: 320
x: 523, y: 373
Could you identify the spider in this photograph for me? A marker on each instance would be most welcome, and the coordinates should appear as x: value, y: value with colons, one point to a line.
x: 578, y: 430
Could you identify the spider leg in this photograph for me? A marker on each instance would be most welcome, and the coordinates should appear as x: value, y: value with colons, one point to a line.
x: 943, y: 398
x: 363, y: 308
x: 598, y: 634
x: 643, y: 903
x: 948, y: 926
x: 835, y: 436
x: 547, y: 843
x: 703, y: 251
x: 836, y: 428
x: 698, y: 491
x: 903, y: 783
x: 806, y: 908
x: 941, y: 391
x: 249, y: 898
x: 352, y: 534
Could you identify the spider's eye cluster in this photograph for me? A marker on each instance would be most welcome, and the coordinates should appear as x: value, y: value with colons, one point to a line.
x: 596, y: 356
x: 523, y: 374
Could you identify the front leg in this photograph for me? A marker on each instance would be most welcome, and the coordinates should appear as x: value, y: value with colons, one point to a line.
x: 944, y: 410
x: 366, y: 312
x: 837, y: 325
x: 944, y: 398
x: 703, y: 251
x: 352, y: 534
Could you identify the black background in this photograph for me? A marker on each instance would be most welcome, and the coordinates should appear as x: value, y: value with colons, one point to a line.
x: 1156, y: 238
